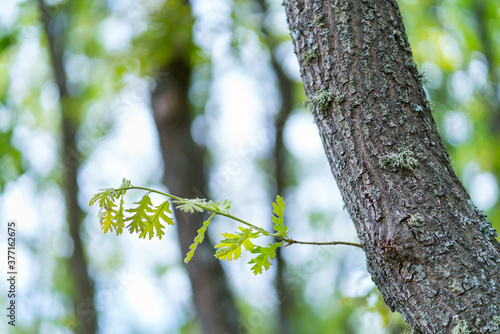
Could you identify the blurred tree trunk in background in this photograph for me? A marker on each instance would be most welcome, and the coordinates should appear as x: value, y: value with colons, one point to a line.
x: 491, y: 90
x: 432, y: 254
x: 488, y: 44
x: 54, y: 23
x: 285, y: 87
x: 184, y: 176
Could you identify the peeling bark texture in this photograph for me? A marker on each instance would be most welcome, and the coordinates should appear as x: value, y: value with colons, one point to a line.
x: 83, y: 297
x: 184, y: 177
x: 432, y: 254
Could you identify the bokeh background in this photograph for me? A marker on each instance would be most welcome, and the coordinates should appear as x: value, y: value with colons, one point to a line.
x: 77, y: 82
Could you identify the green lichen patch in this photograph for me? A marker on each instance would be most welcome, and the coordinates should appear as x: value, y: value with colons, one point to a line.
x: 455, y: 287
x: 487, y: 229
x: 411, y: 330
x: 415, y: 220
x: 402, y: 160
x: 423, y: 78
x: 321, y: 100
x: 318, y: 22
x: 309, y: 55
x: 461, y: 327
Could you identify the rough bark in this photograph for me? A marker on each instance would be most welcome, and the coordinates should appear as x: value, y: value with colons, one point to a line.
x: 83, y: 298
x: 431, y: 253
x: 184, y: 177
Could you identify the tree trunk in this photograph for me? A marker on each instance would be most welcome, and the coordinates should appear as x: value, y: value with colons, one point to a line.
x: 83, y: 298
x: 432, y: 254
x: 184, y: 177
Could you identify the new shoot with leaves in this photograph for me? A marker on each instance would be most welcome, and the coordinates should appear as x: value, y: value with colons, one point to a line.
x: 146, y: 220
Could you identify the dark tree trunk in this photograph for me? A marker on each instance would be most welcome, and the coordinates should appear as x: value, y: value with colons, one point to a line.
x: 285, y: 87
x: 284, y: 295
x: 184, y: 177
x: 83, y: 297
x: 431, y: 253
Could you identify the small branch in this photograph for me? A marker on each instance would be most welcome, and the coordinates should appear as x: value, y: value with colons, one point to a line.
x: 289, y: 241
x: 150, y: 191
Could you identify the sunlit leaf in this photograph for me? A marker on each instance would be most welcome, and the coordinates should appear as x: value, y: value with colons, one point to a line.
x: 263, y: 260
x: 119, y: 218
x: 106, y: 218
x: 191, y: 205
x: 230, y: 247
x: 141, y: 216
x: 198, y: 239
x: 220, y: 206
x: 104, y: 198
x: 279, y: 212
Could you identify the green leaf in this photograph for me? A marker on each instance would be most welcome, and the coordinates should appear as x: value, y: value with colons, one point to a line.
x: 265, y: 257
x: 162, y: 212
x: 198, y: 239
x: 220, y: 206
x: 191, y: 205
x: 106, y: 205
x: 230, y: 247
x: 141, y: 216
x: 149, y: 230
x: 119, y: 218
x: 125, y: 184
x: 105, y: 198
x: 159, y: 212
x: 106, y: 218
x: 279, y: 223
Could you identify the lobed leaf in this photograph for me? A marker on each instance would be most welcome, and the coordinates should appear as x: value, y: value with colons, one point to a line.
x: 162, y: 212
x: 106, y: 205
x: 125, y: 184
x: 105, y: 198
x: 278, y: 220
x: 220, y: 206
x: 106, y: 218
x: 191, y: 205
x: 230, y: 247
x: 149, y: 230
x: 141, y: 216
x: 198, y: 239
x: 265, y: 257
x: 119, y: 218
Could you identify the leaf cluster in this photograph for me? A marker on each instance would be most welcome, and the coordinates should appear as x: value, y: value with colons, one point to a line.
x: 146, y: 219
x: 230, y: 248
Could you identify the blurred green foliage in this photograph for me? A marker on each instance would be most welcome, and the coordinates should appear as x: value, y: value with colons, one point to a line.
x: 455, y: 42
